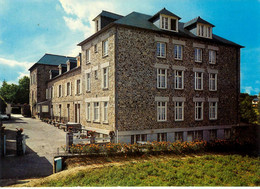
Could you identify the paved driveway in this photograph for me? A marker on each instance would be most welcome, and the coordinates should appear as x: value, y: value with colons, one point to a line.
x: 42, y: 143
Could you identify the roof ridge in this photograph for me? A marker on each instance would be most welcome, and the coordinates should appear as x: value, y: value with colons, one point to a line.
x: 59, y: 55
x: 111, y: 13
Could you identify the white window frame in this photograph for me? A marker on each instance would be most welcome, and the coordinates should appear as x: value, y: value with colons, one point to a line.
x: 47, y: 93
x: 105, y: 78
x: 179, y: 107
x: 166, y: 23
x: 88, y: 56
x: 213, y: 134
x: 105, y: 48
x: 88, y: 110
x: 198, y: 55
x: 95, y: 48
x: 178, y: 51
x: 161, y: 84
x: 213, y: 110
x: 105, y: 112
x: 88, y: 82
x: 161, y: 49
x: 78, y: 87
x: 199, y: 108
x: 177, y: 79
x: 198, y: 80
x: 160, y: 137
x: 212, y: 57
x: 213, y: 77
x: 96, y: 111
x: 161, y: 111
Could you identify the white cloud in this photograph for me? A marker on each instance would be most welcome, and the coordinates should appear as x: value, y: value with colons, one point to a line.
x: 13, y: 63
x: 248, y: 89
x: 80, y: 13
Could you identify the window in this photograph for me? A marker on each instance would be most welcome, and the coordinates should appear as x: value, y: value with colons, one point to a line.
x: 212, y: 82
x: 88, y: 112
x: 138, y: 138
x: 198, y: 111
x: 105, y: 78
x: 68, y: 112
x: 161, y: 50
x: 78, y: 87
x: 52, y: 92
x: 195, y: 135
x: 88, y: 82
x: 213, y: 110
x: 105, y: 47
x: 161, y: 137
x: 60, y: 91
x: 179, y: 111
x: 96, y: 74
x: 68, y: 89
x: 88, y: 56
x: 168, y: 23
x: 227, y: 134
x: 212, y: 57
x: 213, y: 134
x: 97, y: 25
x: 178, y: 79
x: 95, y: 48
x: 46, y: 93
x: 179, y: 136
x: 161, y: 111
x: 105, y: 113
x: 198, y: 55
x: 198, y: 81
x: 208, y: 32
x: 178, y: 52
x: 96, y: 111
x: 161, y: 78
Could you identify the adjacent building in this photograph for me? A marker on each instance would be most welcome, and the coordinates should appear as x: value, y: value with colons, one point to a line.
x: 145, y: 78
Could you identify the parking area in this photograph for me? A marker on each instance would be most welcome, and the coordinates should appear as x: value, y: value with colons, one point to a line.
x: 42, y: 142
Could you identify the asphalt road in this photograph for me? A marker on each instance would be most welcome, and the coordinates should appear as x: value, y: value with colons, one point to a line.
x: 42, y: 141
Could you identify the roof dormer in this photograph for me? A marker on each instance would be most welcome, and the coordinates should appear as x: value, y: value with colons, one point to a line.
x: 166, y: 20
x: 200, y: 27
x: 105, y: 18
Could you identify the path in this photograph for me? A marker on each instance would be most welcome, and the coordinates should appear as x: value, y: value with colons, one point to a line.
x: 42, y: 141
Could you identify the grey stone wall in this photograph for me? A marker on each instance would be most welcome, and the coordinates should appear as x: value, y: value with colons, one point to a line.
x: 136, y: 82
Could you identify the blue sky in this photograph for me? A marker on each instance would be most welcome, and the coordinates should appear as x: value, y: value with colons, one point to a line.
x: 31, y: 28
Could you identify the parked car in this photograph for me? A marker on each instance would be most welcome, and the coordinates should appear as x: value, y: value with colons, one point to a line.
x: 4, y: 117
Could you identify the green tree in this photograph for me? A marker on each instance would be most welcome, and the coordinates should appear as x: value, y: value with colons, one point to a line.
x: 23, y: 91
x: 247, y: 112
x: 13, y: 93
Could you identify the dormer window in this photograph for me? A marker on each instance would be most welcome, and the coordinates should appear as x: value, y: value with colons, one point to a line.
x: 169, y: 23
x: 98, y: 24
x: 204, y: 30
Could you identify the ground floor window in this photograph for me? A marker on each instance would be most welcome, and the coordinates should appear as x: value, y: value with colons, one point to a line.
x: 138, y: 138
x: 179, y: 136
x: 227, y: 134
x: 161, y: 137
x: 194, y: 135
x: 213, y: 134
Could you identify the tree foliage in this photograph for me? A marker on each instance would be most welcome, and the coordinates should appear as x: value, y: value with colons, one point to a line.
x: 248, y: 114
x: 13, y: 93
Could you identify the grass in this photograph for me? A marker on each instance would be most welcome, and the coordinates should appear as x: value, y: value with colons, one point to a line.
x: 206, y: 170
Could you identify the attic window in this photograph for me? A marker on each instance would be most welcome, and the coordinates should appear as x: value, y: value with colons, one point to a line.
x: 204, y: 31
x: 169, y: 23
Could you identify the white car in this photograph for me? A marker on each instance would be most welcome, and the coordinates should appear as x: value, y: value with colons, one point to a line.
x: 4, y: 117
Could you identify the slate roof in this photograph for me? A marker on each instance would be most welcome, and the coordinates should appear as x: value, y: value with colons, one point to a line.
x: 139, y: 20
x: 54, y: 60
x: 163, y: 11
x: 109, y: 15
x: 196, y: 20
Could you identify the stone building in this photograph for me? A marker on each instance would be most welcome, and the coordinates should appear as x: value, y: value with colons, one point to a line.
x: 150, y: 78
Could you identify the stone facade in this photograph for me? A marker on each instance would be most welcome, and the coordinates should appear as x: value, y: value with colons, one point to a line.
x: 38, y: 77
x: 63, y: 103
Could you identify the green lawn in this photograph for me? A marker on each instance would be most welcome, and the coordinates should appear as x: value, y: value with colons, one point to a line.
x: 207, y: 170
